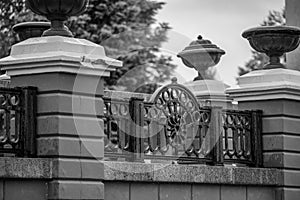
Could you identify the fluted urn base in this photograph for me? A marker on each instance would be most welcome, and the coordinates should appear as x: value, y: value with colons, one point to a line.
x: 58, y: 28
x: 274, y: 63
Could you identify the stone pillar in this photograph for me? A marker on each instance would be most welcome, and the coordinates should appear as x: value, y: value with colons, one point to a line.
x: 277, y: 93
x: 292, y: 14
x: 211, y: 93
x: 68, y: 73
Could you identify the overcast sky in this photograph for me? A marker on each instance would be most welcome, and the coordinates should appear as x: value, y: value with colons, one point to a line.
x: 220, y: 21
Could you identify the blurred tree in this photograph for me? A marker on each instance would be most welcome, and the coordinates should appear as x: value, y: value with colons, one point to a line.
x: 126, y: 28
x: 258, y: 60
x: 11, y: 13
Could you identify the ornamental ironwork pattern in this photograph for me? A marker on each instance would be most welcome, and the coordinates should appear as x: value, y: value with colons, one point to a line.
x: 236, y: 135
x: 17, y: 121
x: 123, y: 127
x: 175, y: 126
x: 172, y: 126
x: 116, y: 124
x: 240, y: 137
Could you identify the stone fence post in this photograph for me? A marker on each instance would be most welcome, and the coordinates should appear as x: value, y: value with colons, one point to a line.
x: 68, y: 73
x: 277, y: 93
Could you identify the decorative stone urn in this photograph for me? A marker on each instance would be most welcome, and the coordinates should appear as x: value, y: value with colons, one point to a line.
x: 274, y: 41
x: 27, y: 30
x: 57, y: 12
x: 200, y: 55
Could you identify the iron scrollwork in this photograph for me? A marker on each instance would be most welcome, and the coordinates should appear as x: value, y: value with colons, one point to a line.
x: 176, y: 126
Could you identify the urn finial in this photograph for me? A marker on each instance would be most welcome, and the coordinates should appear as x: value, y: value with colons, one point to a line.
x: 274, y: 41
x: 201, y: 54
x: 57, y: 12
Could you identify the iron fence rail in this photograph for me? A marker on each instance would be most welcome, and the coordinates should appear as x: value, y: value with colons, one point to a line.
x: 137, y: 131
x: 17, y: 121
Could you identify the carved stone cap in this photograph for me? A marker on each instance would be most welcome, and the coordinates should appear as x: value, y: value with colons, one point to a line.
x: 201, y: 46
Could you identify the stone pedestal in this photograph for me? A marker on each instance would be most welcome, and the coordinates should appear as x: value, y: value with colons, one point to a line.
x: 210, y: 93
x: 277, y: 93
x: 68, y: 73
x: 292, y: 14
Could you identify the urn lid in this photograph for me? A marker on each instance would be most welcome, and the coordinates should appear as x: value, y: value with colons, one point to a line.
x: 201, y: 46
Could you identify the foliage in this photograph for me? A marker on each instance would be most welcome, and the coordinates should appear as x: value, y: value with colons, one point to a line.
x: 124, y: 27
x: 258, y: 60
x: 11, y: 13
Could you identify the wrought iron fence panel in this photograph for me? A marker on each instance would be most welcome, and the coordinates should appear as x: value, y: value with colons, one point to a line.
x: 188, y: 141
x: 172, y: 126
x: 240, y: 136
x: 117, y: 128
x: 181, y: 121
x: 17, y: 121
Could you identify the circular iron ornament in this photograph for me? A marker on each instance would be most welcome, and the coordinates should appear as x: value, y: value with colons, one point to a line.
x: 179, y: 108
x: 57, y: 11
x: 274, y: 41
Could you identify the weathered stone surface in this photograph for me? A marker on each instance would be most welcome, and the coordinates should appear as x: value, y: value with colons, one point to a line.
x: 84, y: 169
x: 148, y: 191
x: 256, y: 175
x: 291, y: 177
x: 124, y: 171
x: 92, y: 169
x: 128, y: 172
x: 70, y: 103
x: 63, y: 82
x: 125, y: 95
x: 70, y: 125
x: 233, y: 193
x: 25, y: 190
x: 287, y: 193
x: 33, y: 168
x: 174, y: 191
x: 260, y: 193
x: 1, y: 189
x: 273, y: 107
x: 192, y: 173
x: 116, y: 191
x: 58, y: 146
x: 289, y: 143
x: 282, y: 159
x: 281, y: 125
x: 92, y: 148
x: 206, y: 192
x: 62, y: 189
x: 72, y: 147
x: 66, y: 168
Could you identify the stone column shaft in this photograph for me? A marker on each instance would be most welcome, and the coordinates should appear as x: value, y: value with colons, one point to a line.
x: 277, y: 93
x: 68, y: 73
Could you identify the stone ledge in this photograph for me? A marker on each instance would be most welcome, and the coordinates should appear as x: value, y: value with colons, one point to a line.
x: 124, y: 171
x: 31, y: 168
x: 126, y: 95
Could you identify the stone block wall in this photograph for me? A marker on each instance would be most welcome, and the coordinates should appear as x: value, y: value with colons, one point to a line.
x: 179, y: 191
x: 132, y: 181
x: 25, y: 178
x: 23, y: 189
x: 277, y: 93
